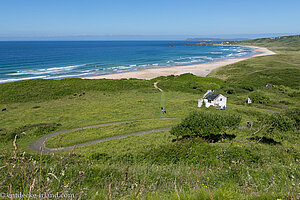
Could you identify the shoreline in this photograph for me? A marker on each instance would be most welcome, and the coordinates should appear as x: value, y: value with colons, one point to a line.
x: 201, y: 70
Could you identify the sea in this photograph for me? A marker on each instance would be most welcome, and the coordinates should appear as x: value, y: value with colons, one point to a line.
x: 24, y: 60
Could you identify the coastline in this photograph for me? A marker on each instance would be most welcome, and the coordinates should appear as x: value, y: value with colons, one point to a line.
x: 201, y: 70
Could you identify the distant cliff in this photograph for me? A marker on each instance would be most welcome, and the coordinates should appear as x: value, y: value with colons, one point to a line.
x: 213, y: 39
x: 204, y: 39
x: 201, y: 44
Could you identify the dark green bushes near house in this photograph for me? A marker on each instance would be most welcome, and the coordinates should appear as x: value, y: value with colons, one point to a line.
x: 259, y: 97
x: 205, y: 124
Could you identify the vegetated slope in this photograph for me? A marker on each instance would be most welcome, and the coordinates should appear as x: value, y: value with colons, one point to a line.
x: 260, y: 162
x: 188, y: 83
x: 282, y: 43
x: 42, y: 89
x: 280, y: 69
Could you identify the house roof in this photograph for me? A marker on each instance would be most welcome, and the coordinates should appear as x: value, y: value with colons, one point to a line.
x: 211, y: 96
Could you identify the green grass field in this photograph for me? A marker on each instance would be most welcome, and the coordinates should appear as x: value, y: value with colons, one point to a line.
x: 156, y: 165
x: 82, y: 136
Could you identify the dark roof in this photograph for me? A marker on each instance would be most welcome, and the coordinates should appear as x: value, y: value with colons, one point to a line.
x: 211, y: 96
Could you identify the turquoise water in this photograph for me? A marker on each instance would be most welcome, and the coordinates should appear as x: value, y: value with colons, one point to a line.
x: 66, y: 59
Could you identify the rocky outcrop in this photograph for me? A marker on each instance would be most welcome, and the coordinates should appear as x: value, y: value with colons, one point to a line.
x: 201, y: 44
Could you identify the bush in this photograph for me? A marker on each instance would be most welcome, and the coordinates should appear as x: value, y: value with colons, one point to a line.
x: 205, y: 124
x: 247, y: 87
x: 294, y: 114
x: 193, y: 86
x: 287, y: 90
x: 283, y: 89
x: 259, y: 97
x: 277, y: 123
x: 281, y: 122
x: 229, y: 90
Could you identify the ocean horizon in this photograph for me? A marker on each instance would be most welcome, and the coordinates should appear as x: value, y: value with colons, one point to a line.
x: 24, y: 60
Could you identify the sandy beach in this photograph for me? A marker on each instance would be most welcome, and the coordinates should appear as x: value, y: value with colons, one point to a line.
x: 201, y: 70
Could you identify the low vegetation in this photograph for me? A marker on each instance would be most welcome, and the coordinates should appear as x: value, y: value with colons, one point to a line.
x: 259, y: 97
x: 205, y: 124
x: 83, y: 135
x: 248, y: 151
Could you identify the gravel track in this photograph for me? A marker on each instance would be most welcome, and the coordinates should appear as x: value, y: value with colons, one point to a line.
x: 39, y: 145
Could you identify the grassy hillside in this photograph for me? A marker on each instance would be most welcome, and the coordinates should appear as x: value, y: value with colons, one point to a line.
x: 261, y: 162
x: 290, y: 44
x: 282, y: 68
x: 43, y: 89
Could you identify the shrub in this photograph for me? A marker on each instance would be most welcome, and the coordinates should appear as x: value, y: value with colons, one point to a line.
x: 284, y: 102
x: 229, y: 91
x: 247, y: 87
x: 281, y: 122
x: 259, y: 97
x: 287, y: 90
x: 294, y: 114
x: 205, y: 124
x: 276, y: 123
x: 194, y: 86
x: 282, y: 88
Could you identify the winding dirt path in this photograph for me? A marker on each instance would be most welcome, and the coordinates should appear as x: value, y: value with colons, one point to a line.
x: 39, y: 145
x: 155, y: 85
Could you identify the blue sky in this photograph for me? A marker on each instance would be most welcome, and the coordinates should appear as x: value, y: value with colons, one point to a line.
x: 51, y: 18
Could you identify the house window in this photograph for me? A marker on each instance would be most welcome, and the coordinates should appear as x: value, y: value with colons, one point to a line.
x: 209, y: 101
x: 221, y: 99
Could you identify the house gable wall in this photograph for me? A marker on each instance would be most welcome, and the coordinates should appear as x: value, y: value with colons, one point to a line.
x: 219, y: 101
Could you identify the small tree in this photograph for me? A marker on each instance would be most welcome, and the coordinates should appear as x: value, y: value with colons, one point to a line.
x: 271, y: 125
x: 205, y: 124
x: 259, y: 97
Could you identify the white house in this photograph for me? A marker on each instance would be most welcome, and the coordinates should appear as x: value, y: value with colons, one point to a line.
x: 212, y: 99
x: 249, y: 101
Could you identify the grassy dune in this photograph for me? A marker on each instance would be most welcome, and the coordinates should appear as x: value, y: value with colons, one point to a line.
x: 282, y: 68
x: 155, y: 165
